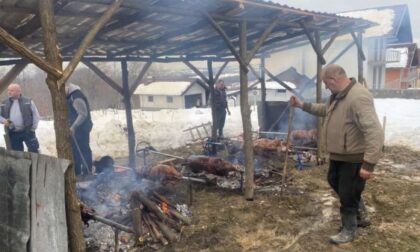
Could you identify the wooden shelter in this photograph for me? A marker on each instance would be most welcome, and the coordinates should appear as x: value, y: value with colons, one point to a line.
x: 46, y: 32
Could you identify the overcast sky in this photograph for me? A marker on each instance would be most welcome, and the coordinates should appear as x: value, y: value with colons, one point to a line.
x: 346, y: 5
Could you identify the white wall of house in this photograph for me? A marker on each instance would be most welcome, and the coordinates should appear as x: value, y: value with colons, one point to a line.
x: 161, y: 102
x: 197, y: 89
x: 304, y: 60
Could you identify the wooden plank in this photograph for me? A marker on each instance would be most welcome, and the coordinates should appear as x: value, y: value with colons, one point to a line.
x: 318, y: 46
x: 15, y: 203
x: 129, y: 117
x: 329, y: 43
x: 20, y: 48
x: 48, y: 216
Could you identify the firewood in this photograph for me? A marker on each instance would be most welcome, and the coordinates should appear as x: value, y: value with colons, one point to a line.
x: 152, y: 207
x: 155, y: 230
x: 167, y: 232
x: 180, y: 216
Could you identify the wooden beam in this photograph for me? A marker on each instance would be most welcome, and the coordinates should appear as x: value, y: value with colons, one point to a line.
x: 318, y: 46
x: 88, y: 40
x: 329, y: 43
x: 61, y: 126
x: 254, y: 72
x: 262, y: 39
x: 282, y: 83
x: 11, y: 75
x: 312, y: 41
x: 219, y: 29
x: 211, y: 82
x: 216, y: 77
x: 359, y: 46
x: 196, y: 71
x: 129, y: 117
x: 263, y: 95
x: 246, y: 116
x: 20, y: 48
x: 104, y: 77
x: 360, y: 78
x: 139, y: 78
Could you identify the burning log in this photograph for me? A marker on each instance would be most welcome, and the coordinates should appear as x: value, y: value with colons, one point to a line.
x: 154, y: 230
x: 155, y: 210
x: 167, y: 232
x: 212, y: 165
x: 89, y: 214
x: 136, y: 214
x: 172, y: 210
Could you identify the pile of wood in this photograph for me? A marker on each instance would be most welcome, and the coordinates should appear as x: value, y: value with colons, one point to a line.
x: 152, y: 219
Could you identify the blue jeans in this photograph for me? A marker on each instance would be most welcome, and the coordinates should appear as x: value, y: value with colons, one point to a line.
x: 17, y: 138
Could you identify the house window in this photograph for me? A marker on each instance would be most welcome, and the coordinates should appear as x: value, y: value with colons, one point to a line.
x: 281, y: 90
x: 150, y: 98
x: 393, y: 56
x: 169, y: 99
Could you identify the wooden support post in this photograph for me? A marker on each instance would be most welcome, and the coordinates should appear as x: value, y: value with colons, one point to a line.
x: 11, y: 75
x: 88, y: 40
x: 21, y: 49
x: 246, y: 114
x: 359, y: 46
x: 129, y: 117
x: 216, y: 77
x: 262, y: 39
x: 104, y: 77
x: 263, y: 95
x: 317, y: 49
x: 219, y: 29
x: 319, y: 61
x: 61, y: 126
x: 196, y: 71
x: 210, y: 82
x: 360, y: 78
x: 139, y: 78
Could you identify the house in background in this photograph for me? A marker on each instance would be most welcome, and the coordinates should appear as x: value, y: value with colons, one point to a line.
x: 170, y: 95
x: 393, y: 27
x: 401, y: 66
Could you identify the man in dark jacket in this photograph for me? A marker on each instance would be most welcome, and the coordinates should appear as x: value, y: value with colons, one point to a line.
x: 353, y: 138
x: 221, y: 106
x: 20, y: 118
x: 80, y: 127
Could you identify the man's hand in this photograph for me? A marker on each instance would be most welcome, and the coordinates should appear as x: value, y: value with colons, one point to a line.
x: 5, y: 122
x: 365, y: 174
x: 296, y: 102
x: 71, y: 132
x: 228, y: 112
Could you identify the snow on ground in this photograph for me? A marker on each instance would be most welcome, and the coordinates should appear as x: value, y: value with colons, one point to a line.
x: 165, y: 129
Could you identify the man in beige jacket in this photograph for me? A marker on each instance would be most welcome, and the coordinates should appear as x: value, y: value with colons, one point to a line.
x: 353, y: 138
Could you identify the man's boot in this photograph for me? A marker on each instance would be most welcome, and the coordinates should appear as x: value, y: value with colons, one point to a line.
x: 348, y: 232
x: 363, y: 219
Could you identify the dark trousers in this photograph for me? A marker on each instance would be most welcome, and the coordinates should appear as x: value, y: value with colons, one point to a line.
x: 82, y: 139
x: 344, y: 178
x: 28, y: 137
x: 220, y: 121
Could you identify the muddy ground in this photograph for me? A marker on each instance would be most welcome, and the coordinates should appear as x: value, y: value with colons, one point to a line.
x: 305, y: 216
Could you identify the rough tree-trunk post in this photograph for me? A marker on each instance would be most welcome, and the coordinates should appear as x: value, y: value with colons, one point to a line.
x: 211, y: 87
x: 74, y: 223
x: 319, y: 92
x: 360, y: 60
x: 246, y: 114
x: 263, y: 96
x: 129, y: 116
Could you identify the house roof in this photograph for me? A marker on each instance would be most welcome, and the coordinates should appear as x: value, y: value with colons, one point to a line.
x: 174, y: 88
x: 393, y: 22
x: 165, y: 29
x: 405, y: 55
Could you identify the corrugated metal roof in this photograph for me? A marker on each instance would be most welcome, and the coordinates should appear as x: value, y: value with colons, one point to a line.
x: 150, y: 29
